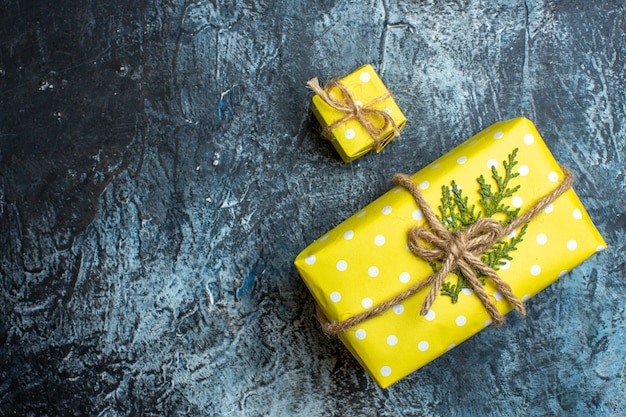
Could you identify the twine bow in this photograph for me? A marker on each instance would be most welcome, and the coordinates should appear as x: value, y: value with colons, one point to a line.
x: 457, y: 251
x: 363, y: 113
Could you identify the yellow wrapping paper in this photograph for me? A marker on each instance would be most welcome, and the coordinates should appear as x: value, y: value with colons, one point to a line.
x: 365, y: 260
x: 351, y: 139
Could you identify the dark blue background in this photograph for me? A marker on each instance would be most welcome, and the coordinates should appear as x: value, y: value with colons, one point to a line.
x: 160, y: 170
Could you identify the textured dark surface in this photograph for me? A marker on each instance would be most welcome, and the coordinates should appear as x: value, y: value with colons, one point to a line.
x: 160, y: 169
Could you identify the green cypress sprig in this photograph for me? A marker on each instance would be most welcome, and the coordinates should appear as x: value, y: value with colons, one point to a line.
x: 494, y: 258
x: 458, y: 214
x: 492, y: 201
x: 453, y: 290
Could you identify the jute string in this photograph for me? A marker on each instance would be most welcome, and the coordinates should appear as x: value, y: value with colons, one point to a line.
x: 457, y: 251
x: 363, y: 113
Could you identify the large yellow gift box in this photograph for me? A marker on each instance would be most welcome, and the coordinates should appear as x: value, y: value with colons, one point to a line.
x: 366, y: 260
x: 357, y: 112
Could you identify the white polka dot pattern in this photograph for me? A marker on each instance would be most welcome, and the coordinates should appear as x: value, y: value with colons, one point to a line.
x: 342, y: 265
x: 523, y: 170
x: 366, y: 260
x: 430, y: 316
x: 398, y: 309
x: 553, y: 176
x: 542, y: 239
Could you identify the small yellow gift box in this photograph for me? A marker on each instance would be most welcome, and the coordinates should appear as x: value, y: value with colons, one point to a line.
x: 369, y: 259
x: 357, y: 112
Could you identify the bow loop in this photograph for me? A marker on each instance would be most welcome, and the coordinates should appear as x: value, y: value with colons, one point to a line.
x: 483, y: 234
x: 426, y: 244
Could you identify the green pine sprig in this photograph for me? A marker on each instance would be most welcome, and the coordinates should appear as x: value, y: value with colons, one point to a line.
x: 495, y: 257
x: 458, y: 214
x: 453, y: 290
x: 492, y: 201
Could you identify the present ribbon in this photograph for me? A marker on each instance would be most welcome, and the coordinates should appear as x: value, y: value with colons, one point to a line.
x: 363, y: 113
x: 457, y: 251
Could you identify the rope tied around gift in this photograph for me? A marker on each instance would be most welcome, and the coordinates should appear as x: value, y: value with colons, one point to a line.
x: 457, y: 251
x: 353, y: 109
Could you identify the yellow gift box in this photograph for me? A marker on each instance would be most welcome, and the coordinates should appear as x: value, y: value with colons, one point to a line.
x: 366, y: 260
x: 357, y: 112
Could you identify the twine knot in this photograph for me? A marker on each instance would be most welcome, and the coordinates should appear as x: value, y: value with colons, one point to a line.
x: 456, y: 244
x: 459, y: 244
x: 368, y: 117
x: 458, y: 251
